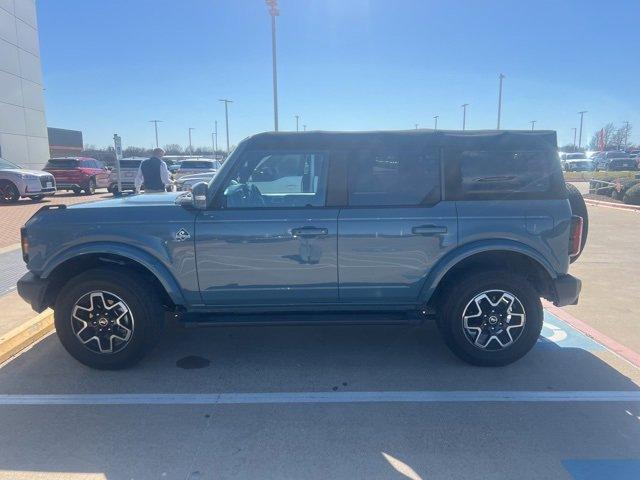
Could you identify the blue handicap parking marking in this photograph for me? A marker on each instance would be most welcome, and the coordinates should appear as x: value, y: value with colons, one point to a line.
x: 603, y: 469
x: 556, y: 333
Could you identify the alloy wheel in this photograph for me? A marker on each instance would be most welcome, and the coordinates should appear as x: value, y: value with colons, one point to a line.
x: 493, y: 320
x: 102, y: 322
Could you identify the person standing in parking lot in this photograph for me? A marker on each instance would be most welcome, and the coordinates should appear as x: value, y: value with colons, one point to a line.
x: 153, y: 173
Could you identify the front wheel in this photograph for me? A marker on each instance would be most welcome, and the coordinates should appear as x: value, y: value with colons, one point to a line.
x: 8, y: 192
x: 490, y: 318
x: 108, y: 318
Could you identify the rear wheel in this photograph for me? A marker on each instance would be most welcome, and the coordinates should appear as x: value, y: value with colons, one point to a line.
x: 8, y: 192
x: 77, y: 191
x: 108, y: 318
x: 91, y: 187
x: 491, y: 318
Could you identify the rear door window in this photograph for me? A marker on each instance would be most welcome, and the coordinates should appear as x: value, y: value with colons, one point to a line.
x: 501, y: 174
x: 394, y: 178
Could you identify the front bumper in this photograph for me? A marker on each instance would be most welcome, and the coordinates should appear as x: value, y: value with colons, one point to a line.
x: 33, y: 290
x: 567, y: 290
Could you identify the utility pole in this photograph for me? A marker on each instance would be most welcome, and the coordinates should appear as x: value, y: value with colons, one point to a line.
x: 155, y: 123
x: 215, y: 131
x: 297, y: 118
x: 533, y: 124
x: 226, y: 118
x: 574, y: 137
x: 190, y: 146
x: 436, y: 117
x: 580, y: 136
x: 626, y: 134
x: 213, y: 145
x: 464, y: 115
x: 274, y: 11
x: 501, y: 77
x: 304, y: 128
x: 416, y: 125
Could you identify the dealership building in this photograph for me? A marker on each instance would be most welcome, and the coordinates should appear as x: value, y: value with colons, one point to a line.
x: 23, y: 127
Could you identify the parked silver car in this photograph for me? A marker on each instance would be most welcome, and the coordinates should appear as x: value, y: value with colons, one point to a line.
x: 184, y: 183
x: 201, y: 165
x: 16, y: 182
x: 128, y: 171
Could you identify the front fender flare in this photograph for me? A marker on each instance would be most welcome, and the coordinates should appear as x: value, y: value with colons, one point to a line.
x: 151, y: 263
x: 463, y: 252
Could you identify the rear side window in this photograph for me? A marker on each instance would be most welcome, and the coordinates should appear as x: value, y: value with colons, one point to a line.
x: 400, y: 178
x: 502, y: 174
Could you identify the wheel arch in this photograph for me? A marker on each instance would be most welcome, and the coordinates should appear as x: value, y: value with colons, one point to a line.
x: 506, y: 255
x: 75, y: 260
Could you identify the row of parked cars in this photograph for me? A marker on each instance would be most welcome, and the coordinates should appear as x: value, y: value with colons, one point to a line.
x: 610, y: 160
x: 85, y: 175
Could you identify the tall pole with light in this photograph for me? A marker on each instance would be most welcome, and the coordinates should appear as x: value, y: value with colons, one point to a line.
x: 226, y: 118
x: 575, y: 130
x: 190, y: 145
x: 500, y: 77
x: 215, y: 131
x: 297, y: 118
x: 533, y: 124
x: 436, y: 117
x: 274, y: 11
x: 155, y: 123
x: 304, y: 128
x: 581, y: 113
x: 464, y: 115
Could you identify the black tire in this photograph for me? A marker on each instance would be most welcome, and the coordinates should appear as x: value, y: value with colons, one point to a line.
x: 8, y: 192
x: 77, y: 191
x: 91, y: 187
x: 36, y: 198
x: 459, y: 294
x: 146, y: 320
x: 578, y: 207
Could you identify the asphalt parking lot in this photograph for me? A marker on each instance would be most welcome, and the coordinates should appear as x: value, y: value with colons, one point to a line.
x: 341, y: 402
x: 321, y: 402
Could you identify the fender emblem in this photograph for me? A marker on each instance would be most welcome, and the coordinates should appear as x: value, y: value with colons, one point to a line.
x: 182, y: 235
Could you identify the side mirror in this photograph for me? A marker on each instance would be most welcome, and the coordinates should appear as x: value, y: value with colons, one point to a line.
x: 199, y: 195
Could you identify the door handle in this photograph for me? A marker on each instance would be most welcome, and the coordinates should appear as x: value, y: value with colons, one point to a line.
x: 429, y: 230
x: 309, y: 232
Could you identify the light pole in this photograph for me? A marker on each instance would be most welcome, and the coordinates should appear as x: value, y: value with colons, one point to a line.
x: 464, y: 115
x: 626, y: 134
x: 190, y: 146
x: 533, y: 124
x: 501, y: 77
x: 155, y: 123
x: 274, y: 11
x: 226, y: 118
x: 215, y: 131
x: 297, y: 118
x: 416, y: 125
x: 304, y: 128
x: 580, y: 136
x: 436, y: 117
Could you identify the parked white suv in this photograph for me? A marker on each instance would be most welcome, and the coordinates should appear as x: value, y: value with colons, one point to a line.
x: 16, y: 182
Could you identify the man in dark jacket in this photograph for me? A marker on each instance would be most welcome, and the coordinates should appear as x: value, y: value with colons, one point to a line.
x: 153, y: 173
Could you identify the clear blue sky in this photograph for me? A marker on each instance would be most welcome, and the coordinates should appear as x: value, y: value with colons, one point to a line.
x: 342, y: 65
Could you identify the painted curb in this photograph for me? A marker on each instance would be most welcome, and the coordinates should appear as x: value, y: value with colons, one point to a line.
x: 611, y: 344
x: 10, y: 248
x: 617, y: 206
x: 16, y: 340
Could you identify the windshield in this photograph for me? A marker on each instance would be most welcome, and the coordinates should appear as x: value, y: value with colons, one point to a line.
x: 196, y: 165
x: 7, y: 165
x: 62, y: 164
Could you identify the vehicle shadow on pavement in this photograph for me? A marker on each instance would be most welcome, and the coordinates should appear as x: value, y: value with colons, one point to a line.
x: 312, y: 358
x: 312, y: 441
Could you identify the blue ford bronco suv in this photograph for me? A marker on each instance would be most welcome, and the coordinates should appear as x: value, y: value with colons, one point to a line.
x: 469, y: 228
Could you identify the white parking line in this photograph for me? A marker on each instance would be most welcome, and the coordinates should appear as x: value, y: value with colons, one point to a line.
x: 321, y: 397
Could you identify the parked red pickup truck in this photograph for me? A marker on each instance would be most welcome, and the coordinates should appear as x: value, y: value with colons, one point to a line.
x: 79, y: 174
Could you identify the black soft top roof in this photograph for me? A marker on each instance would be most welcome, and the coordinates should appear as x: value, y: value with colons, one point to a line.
x: 468, y: 139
